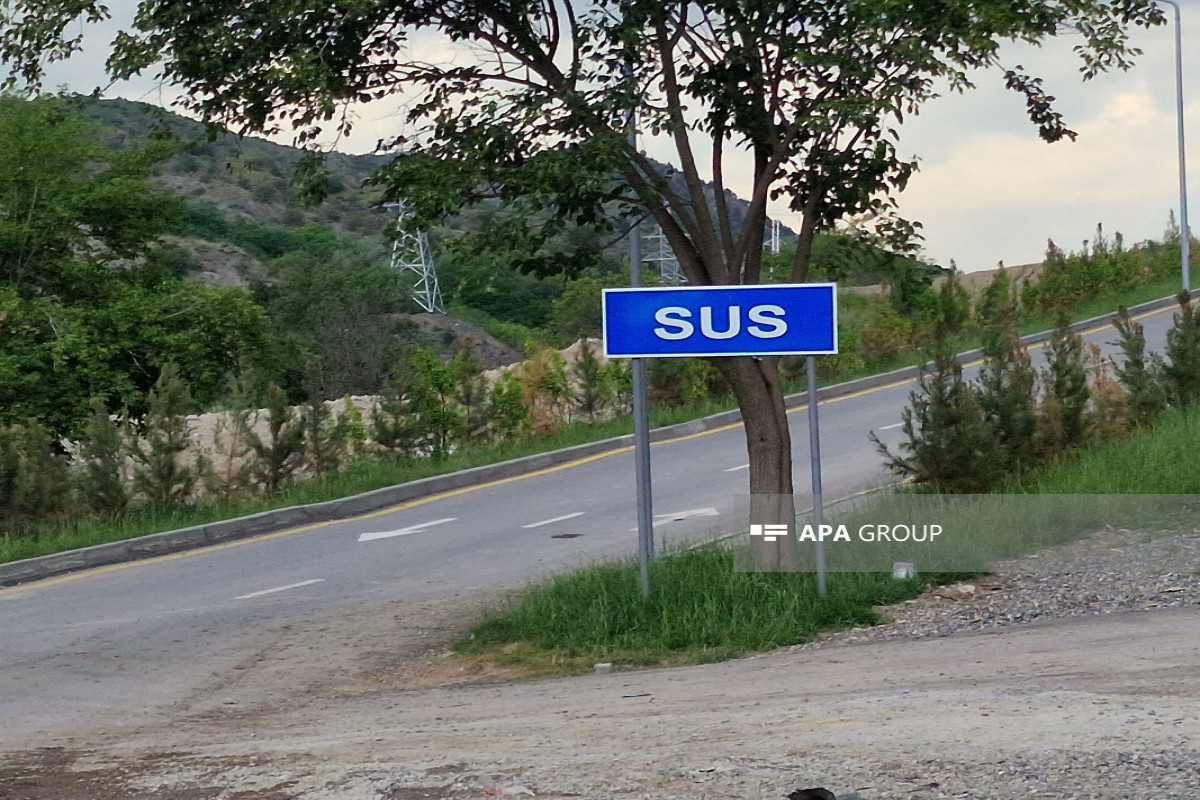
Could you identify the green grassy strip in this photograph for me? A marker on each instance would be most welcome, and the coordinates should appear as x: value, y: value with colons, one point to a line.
x: 700, y: 610
x: 1157, y: 461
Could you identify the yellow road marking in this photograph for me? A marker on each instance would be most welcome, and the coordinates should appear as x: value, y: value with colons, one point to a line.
x: 465, y: 489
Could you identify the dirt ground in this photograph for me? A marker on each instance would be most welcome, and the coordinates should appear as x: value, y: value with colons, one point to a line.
x: 370, y: 707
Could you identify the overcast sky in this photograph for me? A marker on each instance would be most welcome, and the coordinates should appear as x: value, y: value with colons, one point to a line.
x: 988, y: 189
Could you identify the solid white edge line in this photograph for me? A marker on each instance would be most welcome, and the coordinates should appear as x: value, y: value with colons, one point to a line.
x: 738, y: 469
x: 889, y: 427
x: 279, y: 589
x: 555, y: 519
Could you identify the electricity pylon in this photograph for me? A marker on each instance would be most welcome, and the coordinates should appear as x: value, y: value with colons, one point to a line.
x: 410, y: 253
x: 661, y: 254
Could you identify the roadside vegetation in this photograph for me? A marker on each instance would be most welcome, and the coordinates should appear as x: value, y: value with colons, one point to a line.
x: 701, y: 610
x: 323, y: 386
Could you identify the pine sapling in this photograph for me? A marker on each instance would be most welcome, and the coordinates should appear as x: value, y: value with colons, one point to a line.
x: 325, y: 447
x: 1142, y: 377
x: 949, y: 444
x: 159, y: 471
x: 1182, y: 367
x: 470, y: 394
x: 1007, y: 392
x: 591, y: 393
x: 281, y: 452
x: 103, y: 451
x: 229, y: 473
x: 1063, y: 419
x: 33, y: 475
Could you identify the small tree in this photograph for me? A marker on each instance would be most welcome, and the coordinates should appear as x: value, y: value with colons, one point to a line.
x: 1063, y: 417
x: 33, y: 477
x: 350, y: 428
x: 102, y: 453
x: 999, y: 303
x: 1007, y: 393
x: 280, y: 453
x: 507, y: 412
x: 1141, y: 376
x: 229, y: 473
x: 948, y: 442
x: 591, y: 391
x: 159, y: 472
x: 430, y: 386
x: 324, y: 447
x: 1182, y: 368
x: 953, y: 305
x: 470, y: 393
x: 394, y: 428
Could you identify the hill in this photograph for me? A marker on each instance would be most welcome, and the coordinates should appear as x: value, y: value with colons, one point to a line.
x: 242, y: 204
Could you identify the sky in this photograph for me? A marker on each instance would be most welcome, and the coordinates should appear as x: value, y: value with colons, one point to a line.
x: 988, y: 190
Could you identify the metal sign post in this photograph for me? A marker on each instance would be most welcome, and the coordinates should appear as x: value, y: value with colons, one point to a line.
x: 814, y: 453
x: 664, y: 322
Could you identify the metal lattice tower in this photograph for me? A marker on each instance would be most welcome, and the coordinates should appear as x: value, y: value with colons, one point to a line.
x: 410, y: 253
x: 661, y: 254
x: 775, y: 237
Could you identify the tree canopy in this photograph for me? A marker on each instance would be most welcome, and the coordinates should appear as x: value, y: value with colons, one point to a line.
x: 535, y: 108
x: 86, y: 311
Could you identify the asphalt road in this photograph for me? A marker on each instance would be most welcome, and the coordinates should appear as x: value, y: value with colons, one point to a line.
x: 137, y: 636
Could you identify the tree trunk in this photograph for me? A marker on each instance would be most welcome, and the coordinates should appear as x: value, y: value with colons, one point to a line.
x: 759, y: 391
x: 756, y: 385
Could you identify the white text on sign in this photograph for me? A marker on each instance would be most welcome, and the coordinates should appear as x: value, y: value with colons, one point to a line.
x: 768, y: 322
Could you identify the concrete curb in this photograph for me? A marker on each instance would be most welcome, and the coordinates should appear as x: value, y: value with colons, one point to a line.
x: 157, y: 544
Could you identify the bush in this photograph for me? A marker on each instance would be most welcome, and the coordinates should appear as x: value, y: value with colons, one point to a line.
x: 885, y: 335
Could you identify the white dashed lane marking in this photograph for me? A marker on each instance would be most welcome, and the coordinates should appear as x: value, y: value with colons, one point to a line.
x: 279, y: 589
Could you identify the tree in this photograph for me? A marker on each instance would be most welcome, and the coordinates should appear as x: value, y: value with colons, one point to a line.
x: 229, y: 472
x: 71, y: 208
x: 278, y: 455
x: 1141, y: 376
x: 1182, y: 368
x: 85, y: 310
x: 811, y: 90
x: 950, y: 444
x: 1007, y: 393
x: 159, y: 472
x: 102, y: 452
x: 1063, y: 417
x: 33, y: 476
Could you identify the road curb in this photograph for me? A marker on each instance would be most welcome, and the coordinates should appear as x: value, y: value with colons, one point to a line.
x: 159, y: 544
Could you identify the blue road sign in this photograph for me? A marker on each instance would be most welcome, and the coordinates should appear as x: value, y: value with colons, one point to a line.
x: 787, y: 319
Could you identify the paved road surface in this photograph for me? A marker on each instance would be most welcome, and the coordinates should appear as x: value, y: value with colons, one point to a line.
x: 136, y: 635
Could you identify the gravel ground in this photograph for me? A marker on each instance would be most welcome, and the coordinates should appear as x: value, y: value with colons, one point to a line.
x: 1072, y: 675
x: 1111, y: 571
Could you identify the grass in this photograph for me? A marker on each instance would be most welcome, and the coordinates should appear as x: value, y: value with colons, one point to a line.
x: 702, y: 610
x: 83, y: 531
x: 1158, y: 461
